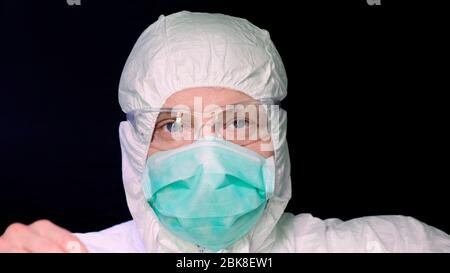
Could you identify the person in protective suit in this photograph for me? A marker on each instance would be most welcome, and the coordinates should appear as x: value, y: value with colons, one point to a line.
x: 205, y: 160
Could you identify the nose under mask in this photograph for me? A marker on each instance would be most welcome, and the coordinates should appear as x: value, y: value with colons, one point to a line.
x: 211, y: 192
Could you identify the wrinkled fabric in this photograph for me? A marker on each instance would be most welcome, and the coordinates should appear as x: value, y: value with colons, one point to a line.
x: 210, y: 192
x: 186, y: 50
x: 305, y: 233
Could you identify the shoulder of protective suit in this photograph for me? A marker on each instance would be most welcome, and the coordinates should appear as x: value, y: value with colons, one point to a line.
x: 305, y: 233
x: 122, y: 238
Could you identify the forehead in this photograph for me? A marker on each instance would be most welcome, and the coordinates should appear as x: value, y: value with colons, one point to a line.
x: 208, y: 95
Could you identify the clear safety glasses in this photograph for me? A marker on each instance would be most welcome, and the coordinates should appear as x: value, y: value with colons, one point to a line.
x: 242, y: 123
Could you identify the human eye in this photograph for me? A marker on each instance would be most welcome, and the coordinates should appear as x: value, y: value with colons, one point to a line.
x: 169, y: 126
x: 240, y: 123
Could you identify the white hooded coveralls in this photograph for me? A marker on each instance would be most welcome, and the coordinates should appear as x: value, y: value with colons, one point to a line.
x: 185, y: 50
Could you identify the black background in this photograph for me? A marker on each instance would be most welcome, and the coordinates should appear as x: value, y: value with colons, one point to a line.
x: 366, y: 131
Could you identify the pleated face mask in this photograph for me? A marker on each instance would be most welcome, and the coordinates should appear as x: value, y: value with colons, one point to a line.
x: 211, y: 192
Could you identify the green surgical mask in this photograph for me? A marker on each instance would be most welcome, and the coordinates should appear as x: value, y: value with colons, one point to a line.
x: 211, y: 192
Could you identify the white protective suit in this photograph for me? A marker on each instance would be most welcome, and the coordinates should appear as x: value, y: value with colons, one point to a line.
x: 186, y: 50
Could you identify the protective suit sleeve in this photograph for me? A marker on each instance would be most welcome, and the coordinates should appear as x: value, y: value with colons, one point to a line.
x: 122, y: 238
x: 373, y: 234
x: 435, y: 240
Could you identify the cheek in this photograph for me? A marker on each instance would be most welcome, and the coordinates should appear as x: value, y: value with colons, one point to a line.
x: 256, y: 147
x: 151, y: 151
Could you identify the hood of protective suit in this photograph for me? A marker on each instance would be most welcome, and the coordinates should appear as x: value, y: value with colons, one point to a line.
x: 186, y: 50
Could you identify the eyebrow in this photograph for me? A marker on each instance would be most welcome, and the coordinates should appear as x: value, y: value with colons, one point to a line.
x: 165, y: 115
